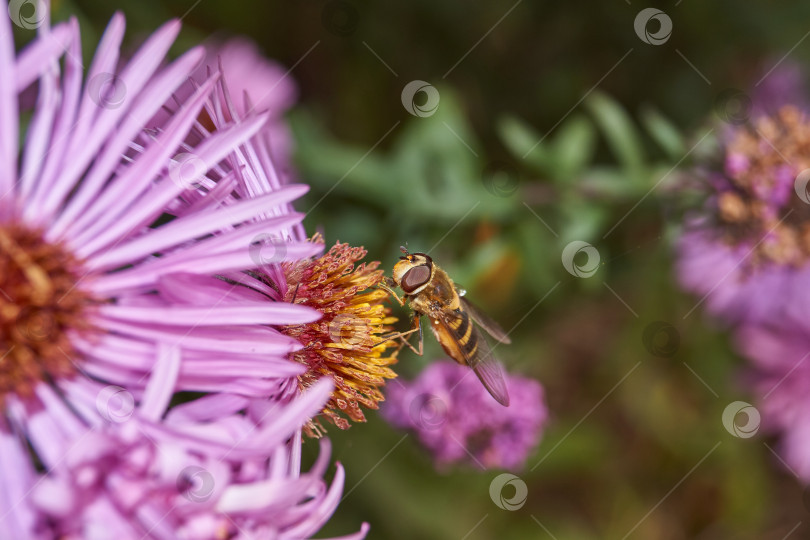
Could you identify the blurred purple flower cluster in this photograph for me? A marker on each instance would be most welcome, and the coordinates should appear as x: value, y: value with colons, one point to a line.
x: 453, y: 416
x: 746, y: 254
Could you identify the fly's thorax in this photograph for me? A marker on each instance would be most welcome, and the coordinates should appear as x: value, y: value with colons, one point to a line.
x: 443, y: 290
x: 436, y: 296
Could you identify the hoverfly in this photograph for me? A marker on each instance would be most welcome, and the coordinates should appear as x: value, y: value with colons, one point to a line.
x: 430, y: 292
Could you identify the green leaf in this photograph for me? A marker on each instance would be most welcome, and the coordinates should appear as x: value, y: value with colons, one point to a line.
x: 664, y: 132
x: 583, y: 221
x: 618, y: 129
x: 573, y: 148
x: 525, y: 143
x: 608, y: 183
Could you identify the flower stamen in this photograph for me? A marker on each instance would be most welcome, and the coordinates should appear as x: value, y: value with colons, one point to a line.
x: 39, y: 306
x: 346, y: 343
x: 756, y: 204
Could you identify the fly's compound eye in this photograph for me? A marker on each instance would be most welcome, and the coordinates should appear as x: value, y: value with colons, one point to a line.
x: 415, y: 278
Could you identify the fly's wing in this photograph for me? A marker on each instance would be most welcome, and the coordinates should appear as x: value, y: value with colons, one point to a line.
x: 469, y: 345
x: 492, y: 328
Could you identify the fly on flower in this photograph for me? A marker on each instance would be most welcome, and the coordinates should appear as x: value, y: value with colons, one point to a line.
x: 430, y: 292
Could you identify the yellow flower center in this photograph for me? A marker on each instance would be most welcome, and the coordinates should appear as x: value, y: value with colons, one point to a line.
x: 346, y: 344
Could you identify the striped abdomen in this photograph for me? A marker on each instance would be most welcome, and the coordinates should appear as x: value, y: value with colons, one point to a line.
x: 457, y: 336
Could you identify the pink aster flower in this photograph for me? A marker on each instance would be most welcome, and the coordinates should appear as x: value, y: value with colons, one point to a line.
x: 87, y: 226
x: 747, y: 255
x: 120, y: 253
x: 747, y: 250
x: 257, y: 85
x: 457, y: 420
x: 779, y: 376
x: 206, y: 471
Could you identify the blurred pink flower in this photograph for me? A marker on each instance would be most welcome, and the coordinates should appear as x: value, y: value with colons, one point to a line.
x: 747, y: 249
x: 206, y: 471
x: 746, y: 254
x: 456, y: 419
x: 729, y: 289
x: 780, y: 376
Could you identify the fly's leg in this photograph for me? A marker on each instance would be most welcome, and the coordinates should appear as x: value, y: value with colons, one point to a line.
x: 416, y: 326
x: 388, y: 286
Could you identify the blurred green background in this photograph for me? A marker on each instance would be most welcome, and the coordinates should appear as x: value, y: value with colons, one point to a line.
x: 632, y: 444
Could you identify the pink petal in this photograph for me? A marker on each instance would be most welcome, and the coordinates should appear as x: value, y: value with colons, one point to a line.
x: 42, y: 52
x: 212, y: 150
x: 39, y: 133
x: 17, y: 518
x: 216, y: 263
x: 316, y: 519
x: 156, y: 93
x: 230, y: 339
x: 162, y: 382
x: 199, y: 225
x: 138, y: 176
x: 104, y: 62
x: 9, y: 128
x: 267, y: 313
x: 63, y: 129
